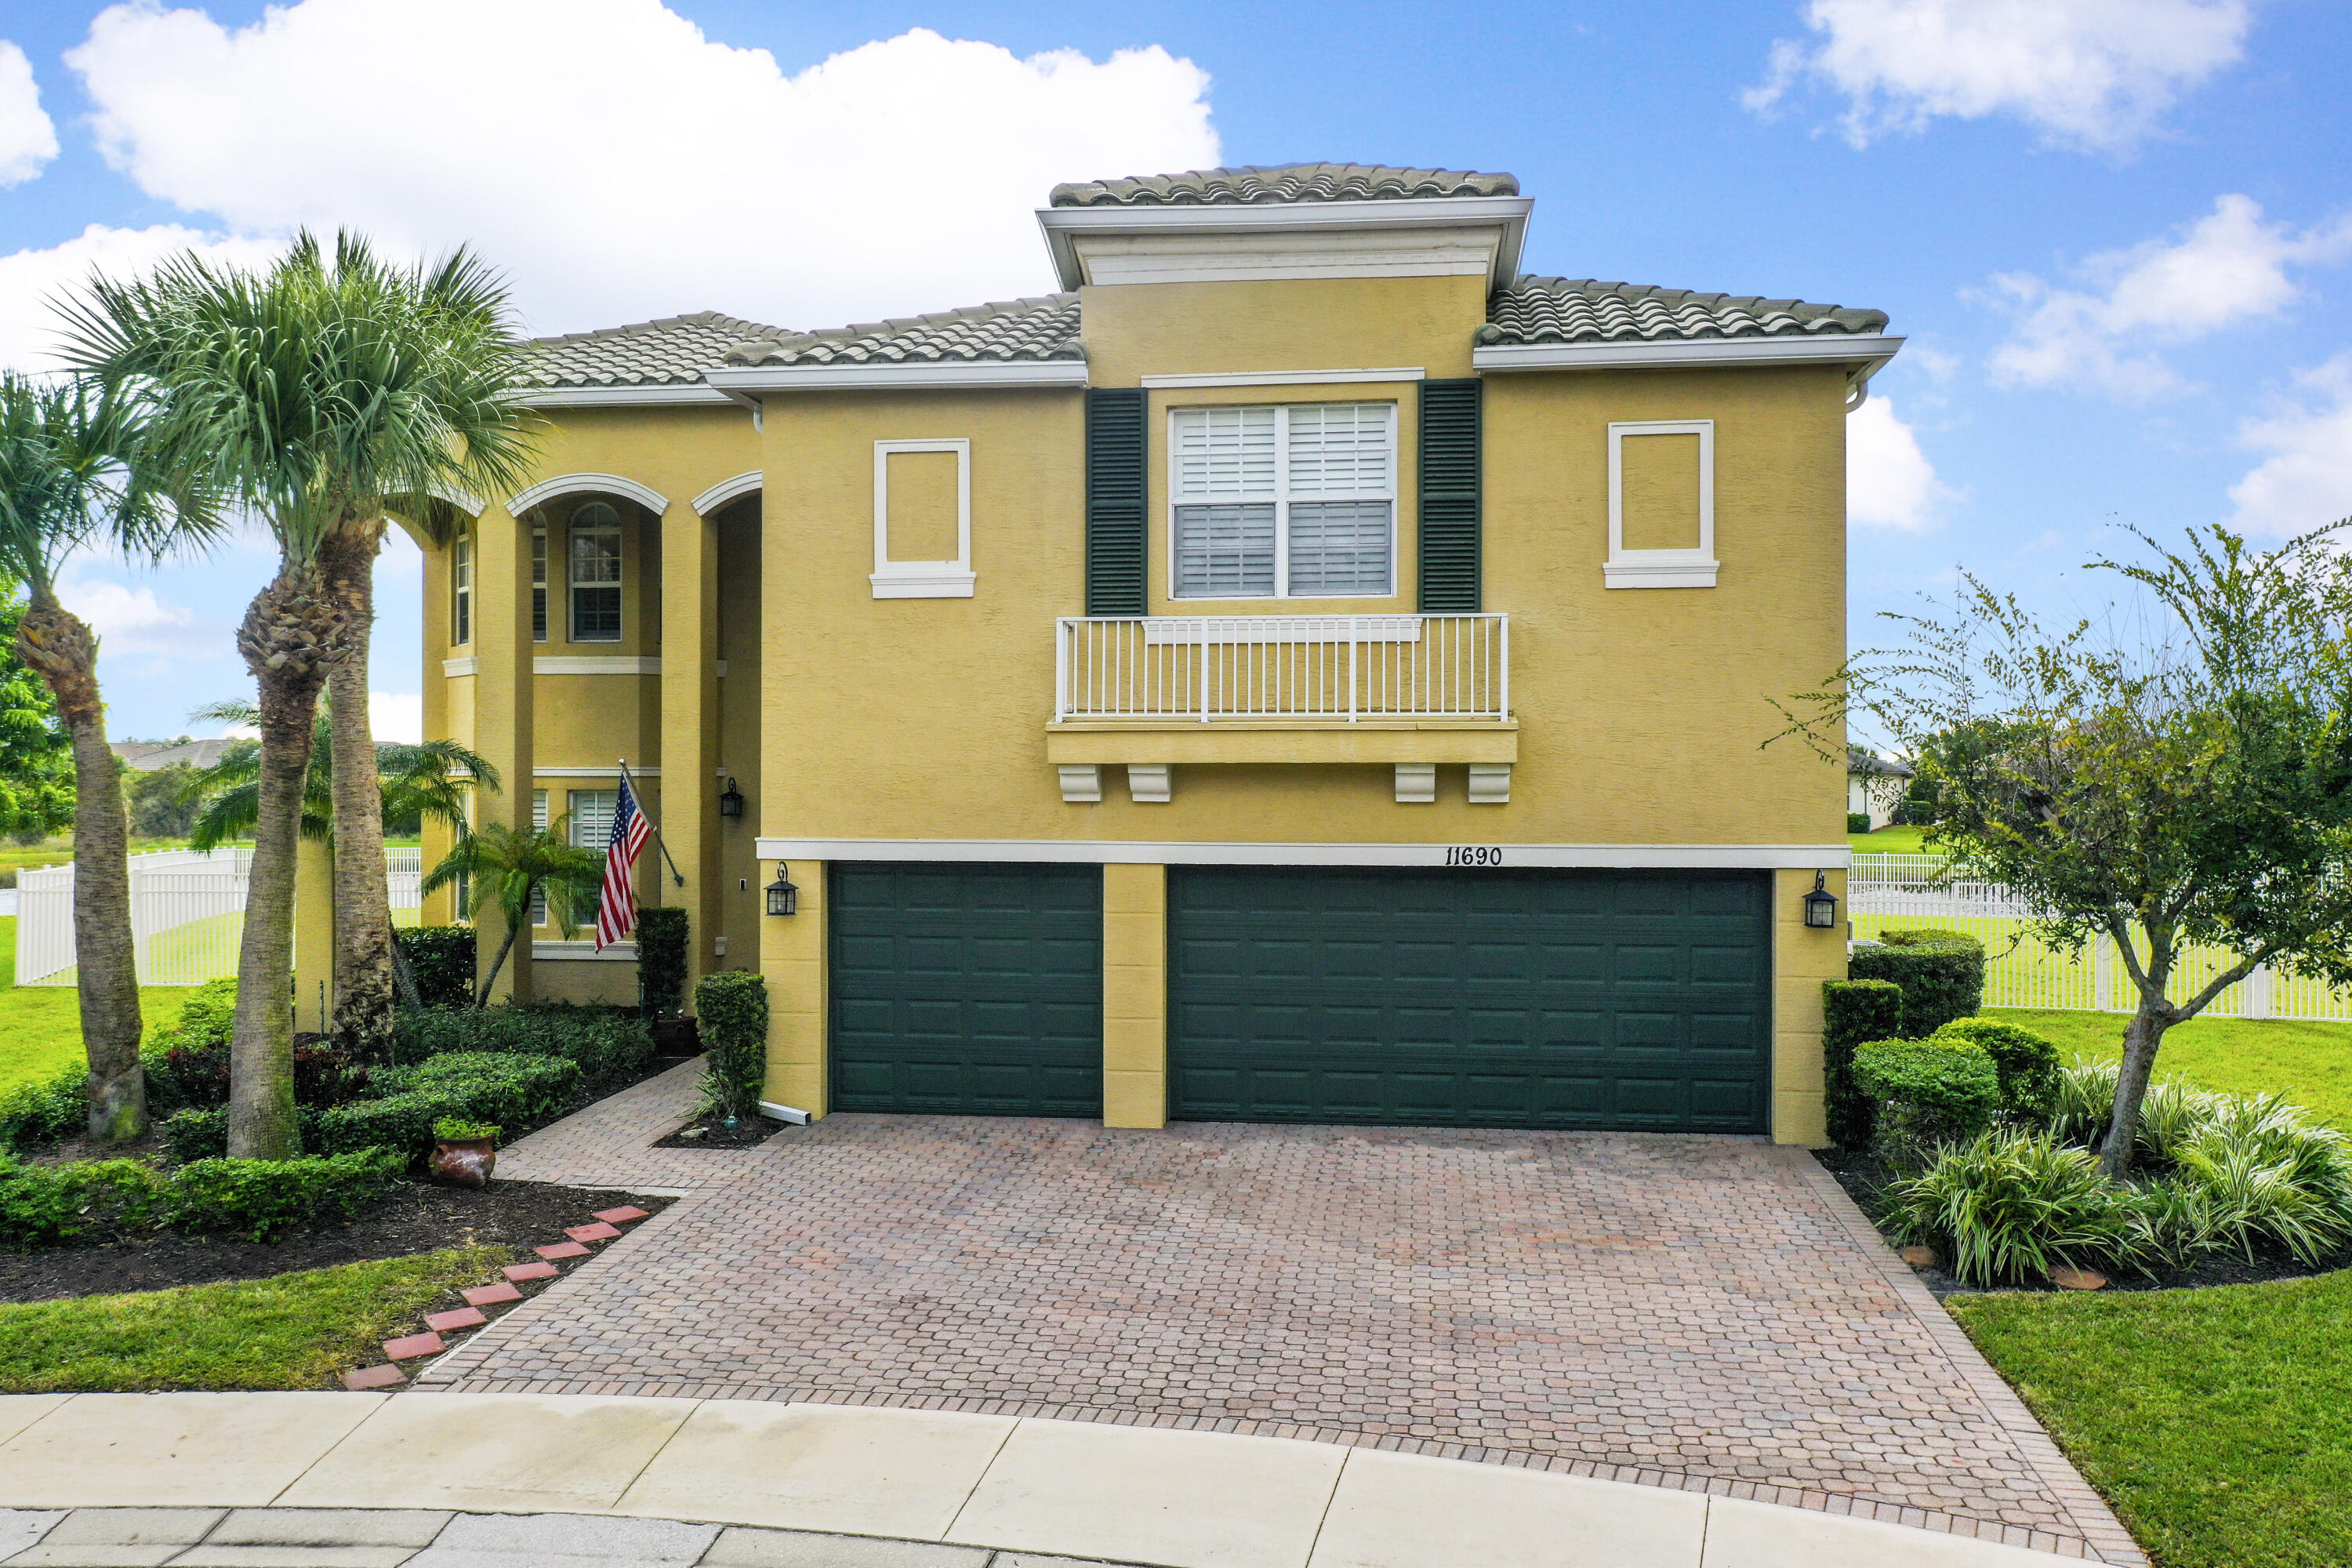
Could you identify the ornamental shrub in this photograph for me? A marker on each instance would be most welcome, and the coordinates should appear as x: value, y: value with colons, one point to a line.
x: 1932, y: 1092
x: 45, y: 1109
x: 1852, y: 1013
x: 187, y: 1059
x: 2026, y: 1063
x: 2009, y: 1204
x: 1857, y: 822
x: 511, y: 1090
x: 267, y: 1198
x: 93, y: 1199
x: 194, y: 1135
x: 441, y: 962
x: 662, y: 936
x: 457, y: 1130
x: 734, y: 1011
x: 1942, y: 973
x: 609, y: 1045
x: 2085, y: 1101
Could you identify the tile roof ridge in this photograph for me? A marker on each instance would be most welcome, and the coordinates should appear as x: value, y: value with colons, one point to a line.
x: 638, y: 329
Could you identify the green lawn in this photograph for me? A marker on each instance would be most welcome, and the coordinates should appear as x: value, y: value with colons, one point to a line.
x: 1888, y: 841
x: 296, y: 1330
x: 2311, y: 1064
x: 40, y: 1026
x: 2218, y: 1422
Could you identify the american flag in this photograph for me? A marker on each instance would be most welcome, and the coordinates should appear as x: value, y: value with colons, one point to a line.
x: 617, y: 915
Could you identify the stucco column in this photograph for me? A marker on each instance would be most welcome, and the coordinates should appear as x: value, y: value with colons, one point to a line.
x: 1802, y: 959
x: 689, y: 724
x: 440, y: 905
x: 502, y: 649
x: 1135, y: 995
x: 792, y: 960
x: 314, y: 936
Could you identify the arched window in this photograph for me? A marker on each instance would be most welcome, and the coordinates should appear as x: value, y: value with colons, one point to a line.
x: 595, y: 575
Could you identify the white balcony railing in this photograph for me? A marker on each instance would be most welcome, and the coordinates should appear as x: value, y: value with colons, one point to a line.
x: 1320, y: 668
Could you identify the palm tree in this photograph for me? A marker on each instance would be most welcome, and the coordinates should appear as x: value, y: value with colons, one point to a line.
x: 76, y: 469
x: 515, y: 865
x: 328, y: 394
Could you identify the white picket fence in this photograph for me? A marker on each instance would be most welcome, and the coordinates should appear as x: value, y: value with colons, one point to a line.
x: 1895, y: 892
x: 187, y: 914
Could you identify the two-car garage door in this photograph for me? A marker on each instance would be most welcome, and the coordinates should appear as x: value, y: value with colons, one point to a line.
x: 1579, y: 999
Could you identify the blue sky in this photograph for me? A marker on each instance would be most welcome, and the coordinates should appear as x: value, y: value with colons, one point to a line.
x: 2117, y: 234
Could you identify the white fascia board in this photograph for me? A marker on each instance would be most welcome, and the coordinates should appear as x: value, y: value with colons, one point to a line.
x: 595, y: 771
x: 1098, y: 852
x: 1869, y: 348
x: 728, y: 490
x: 951, y: 372
x: 1063, y: 225
x: 617, y: 396
x: 1285, y: 377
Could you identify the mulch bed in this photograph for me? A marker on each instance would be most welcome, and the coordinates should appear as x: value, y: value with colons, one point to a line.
x: 1864, y: 1175
x: 712, y: 1132
x: 416, y: 1216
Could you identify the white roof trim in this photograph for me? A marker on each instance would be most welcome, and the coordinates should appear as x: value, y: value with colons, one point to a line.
x: 1870, y: 349
x: 465, y: 501
x: 1101, y: 852
x: 1062, y: 224
x: 546, y: 490
x: 945, y: 373
x: 1286, y: 377
x: 613, y: 396
x: 727, y: 491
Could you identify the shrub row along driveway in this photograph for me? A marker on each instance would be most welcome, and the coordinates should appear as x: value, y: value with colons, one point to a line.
x: 1707, y: 1312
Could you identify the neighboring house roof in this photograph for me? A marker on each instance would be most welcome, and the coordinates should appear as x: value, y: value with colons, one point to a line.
x: 1585, y: 309
x: 1043, y: 328
x: 146, y: 756
x: 1866, y: 764
x: 1254, y: 184
x: 672, y: 351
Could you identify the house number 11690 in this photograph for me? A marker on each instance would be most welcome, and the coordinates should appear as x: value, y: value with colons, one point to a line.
x: 1473, y: 855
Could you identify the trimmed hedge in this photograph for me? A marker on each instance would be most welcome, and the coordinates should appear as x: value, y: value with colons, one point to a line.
x: 608, y: 1045
x: 441, y: 960
x: 1854, y: 1011
x: 471, y: 1086
x: 733, y: 1010
x: 1939, y: 1091
x: 1857, y: 822
x: 99, y: 1199
x: 2026, y: 1063
x: 662, y: 936
x: 1941, y: 973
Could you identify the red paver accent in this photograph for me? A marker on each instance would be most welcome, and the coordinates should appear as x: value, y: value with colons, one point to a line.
x: 369, y: 1377
x: 561, y: 1250
x: 414, y: 1346
x: 600, y: 1231
x: 524, y: 1273
x: 455, y: 1319
x: 491, y: 1295
x: 622, y: 1215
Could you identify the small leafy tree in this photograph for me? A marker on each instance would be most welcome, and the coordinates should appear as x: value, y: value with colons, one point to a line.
x: 37, y: 756
x: 512, y: 866
x: 2190, y: 786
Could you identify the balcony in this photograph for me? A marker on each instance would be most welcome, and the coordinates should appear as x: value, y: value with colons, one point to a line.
x: 1413, y: 690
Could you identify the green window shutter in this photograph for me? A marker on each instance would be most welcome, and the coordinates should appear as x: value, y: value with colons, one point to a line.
x: 1115, y: 529
x: 1450, y: 443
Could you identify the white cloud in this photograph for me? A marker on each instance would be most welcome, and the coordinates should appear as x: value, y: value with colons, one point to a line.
x: 31, y: 280
x: 396, y: 716
x: 2086, y: 73
x: 27, y: 140
x: 1889, y: 482
x: 2228, y: 266
x: 134, y: 621
x: 617, y: 163
x: 2306, y: 479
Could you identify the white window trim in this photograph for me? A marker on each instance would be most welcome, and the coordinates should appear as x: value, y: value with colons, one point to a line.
x: 1284, y: 377
x: 1281, y: 499
x: 1661, y: 568
x: 461, y: 589
x: 922, y: 579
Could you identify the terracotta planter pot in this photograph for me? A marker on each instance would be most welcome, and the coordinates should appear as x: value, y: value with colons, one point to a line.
x: 465, y: 1161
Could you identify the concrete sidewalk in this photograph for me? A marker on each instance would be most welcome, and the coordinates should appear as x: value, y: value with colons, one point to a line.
x: 924, y: 1488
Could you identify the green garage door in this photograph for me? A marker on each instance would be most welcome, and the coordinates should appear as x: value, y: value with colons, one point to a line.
x: 1599, y: 999
x: 967, y: 990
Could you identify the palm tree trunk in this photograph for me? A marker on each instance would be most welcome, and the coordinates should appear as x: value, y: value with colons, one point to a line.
x: 482, y: 997
x: 56, y: 643
x: 363, y: 968
x: 292, y: 635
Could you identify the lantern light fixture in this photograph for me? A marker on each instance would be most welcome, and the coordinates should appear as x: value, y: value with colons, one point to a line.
x: 784, y: 899
x: 731, y: 800
x: 1820, y: 904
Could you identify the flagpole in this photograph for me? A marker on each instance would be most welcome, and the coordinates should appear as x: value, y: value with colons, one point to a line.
x: 662, y: 844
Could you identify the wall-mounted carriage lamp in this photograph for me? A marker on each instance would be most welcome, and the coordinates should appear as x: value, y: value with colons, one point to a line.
x: 784, y: 899
x: 1820, y: 904
x: 731, y: 800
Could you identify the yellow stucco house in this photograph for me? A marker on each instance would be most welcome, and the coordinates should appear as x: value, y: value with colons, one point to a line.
x: 1305, y: 671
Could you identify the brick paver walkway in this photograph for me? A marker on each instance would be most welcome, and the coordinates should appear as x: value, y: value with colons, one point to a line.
x: 1703, y: 1312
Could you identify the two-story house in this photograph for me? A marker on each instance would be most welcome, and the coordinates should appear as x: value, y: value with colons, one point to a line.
x: 1306, y: 670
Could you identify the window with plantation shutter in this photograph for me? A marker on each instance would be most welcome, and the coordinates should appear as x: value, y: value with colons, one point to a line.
x: 1116, y: 547
x: 1451, y: 498
x: 1285, y: 501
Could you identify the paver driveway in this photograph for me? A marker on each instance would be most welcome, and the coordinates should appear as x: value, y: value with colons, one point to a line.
x: 1707, y: 1312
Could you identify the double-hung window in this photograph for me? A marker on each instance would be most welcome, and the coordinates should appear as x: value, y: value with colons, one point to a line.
x: 1293, y: 500
x: 595, y: 559
x: 461, y: 589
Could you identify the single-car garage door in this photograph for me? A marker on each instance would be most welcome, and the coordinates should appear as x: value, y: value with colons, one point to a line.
x: 967, y: 990
x: 1591, y: 999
